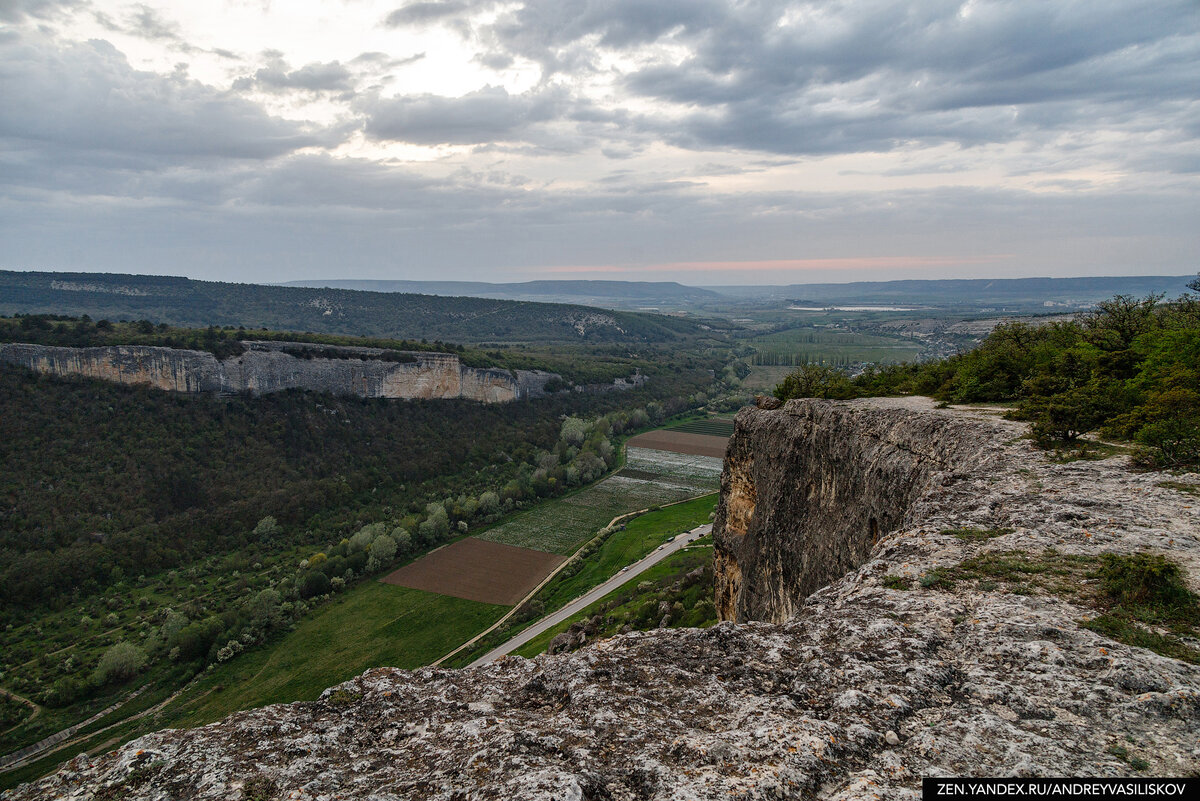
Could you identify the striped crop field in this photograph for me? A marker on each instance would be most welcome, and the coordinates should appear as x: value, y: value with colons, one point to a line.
x: 713, y: 427
x: 650, y: 478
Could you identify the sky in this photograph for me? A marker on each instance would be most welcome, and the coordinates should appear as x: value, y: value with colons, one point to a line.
x: 709, y: 142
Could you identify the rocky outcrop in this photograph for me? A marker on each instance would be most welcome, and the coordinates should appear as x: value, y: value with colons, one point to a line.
x: 807, y: 493
x: 874, y: 682
x: 276, y: 366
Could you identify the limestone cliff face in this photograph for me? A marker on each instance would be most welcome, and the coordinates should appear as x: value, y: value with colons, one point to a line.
x: 162, y: 368
x: 864, y: 690
x: 275, y: 366
x: 808, y: 491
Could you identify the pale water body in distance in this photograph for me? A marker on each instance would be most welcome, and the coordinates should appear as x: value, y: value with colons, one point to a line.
x: 852, y: 308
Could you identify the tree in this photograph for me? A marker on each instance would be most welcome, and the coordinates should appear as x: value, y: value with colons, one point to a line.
x: 436, y: 525
x: 403, y: 539
x: 489, y: 502
x: 266, y: 530
x: 313, y: 583
x: 383, y: 550
x: 120, y: 662
x: 573, y: 431
x: 815, y: 381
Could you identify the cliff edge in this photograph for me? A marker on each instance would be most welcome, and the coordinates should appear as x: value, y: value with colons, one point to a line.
x: 266, y: 367
x: 911, y: 661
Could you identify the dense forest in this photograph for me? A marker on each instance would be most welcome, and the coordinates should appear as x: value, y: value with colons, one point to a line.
x: 1129, y: 370
x: 184, y: 302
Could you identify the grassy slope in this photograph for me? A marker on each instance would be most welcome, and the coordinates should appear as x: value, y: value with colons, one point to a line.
x: 371, y: 625
x: 380, y: 624
x: 374, y: 625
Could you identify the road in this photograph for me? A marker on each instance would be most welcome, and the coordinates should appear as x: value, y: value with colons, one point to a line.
x: 583, y: 601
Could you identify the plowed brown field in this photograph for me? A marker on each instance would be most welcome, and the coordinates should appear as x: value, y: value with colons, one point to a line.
x: 681, y: 442
x: 478, y: 570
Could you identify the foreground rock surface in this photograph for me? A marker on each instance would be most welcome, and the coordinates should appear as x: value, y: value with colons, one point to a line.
x: 860, y: 693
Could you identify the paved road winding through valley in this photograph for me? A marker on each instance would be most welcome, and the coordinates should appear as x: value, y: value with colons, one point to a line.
x: 583, y: 601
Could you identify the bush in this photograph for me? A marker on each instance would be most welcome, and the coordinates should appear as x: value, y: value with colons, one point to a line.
x: 313, y: 583
x: 267, y: 530
x: 120, y: 662
x: 1144, y: 579
x: 383, y: 550
x: 816, y: 381
x: 195, y: 640
x: 64, y: 692
x: 1171, y: 442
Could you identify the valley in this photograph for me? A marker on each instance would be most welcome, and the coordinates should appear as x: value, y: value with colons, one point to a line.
x: 177, y: 550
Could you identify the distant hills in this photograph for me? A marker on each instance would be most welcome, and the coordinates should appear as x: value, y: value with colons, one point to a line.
x: 619, y: 294
x: 669, y: 295
x: 544, y: 312
x: 185, y: 302
x: 971, y: 291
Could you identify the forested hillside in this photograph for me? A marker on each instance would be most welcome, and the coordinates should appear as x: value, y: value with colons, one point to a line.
x: 104, y: 480
x: 184, y: 302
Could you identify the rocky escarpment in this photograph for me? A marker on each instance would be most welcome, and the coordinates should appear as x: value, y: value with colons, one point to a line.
x: 874, y: 682
x: 807, y: 493
x: 276, y: 366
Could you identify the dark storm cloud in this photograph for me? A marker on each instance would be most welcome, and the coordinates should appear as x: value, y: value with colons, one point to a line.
x: 86, y: 97
x: 542, y: 30
x: 488, y: 115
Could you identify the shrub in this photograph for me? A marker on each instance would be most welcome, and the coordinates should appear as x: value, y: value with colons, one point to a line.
x: 267, y: 529
x: 64, y: 692
x: 313, y: 583
x: 1144, y: 579
x: 815, y: 381
x: 1171, y: 442
x: 383, y: 550
x: 195, y: 640
x: 120, y: 662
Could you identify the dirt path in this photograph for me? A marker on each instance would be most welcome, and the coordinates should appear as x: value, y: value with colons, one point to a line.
x: 20, y: 699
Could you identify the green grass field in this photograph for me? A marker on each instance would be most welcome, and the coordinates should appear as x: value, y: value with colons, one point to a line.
x: 373, y: 625
x: 812, y: 345
x: 765, y: 378
x: 641, y: 536
x: 563, y: 524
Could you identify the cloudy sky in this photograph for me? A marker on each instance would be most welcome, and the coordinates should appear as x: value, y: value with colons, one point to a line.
x: 702, y: 141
